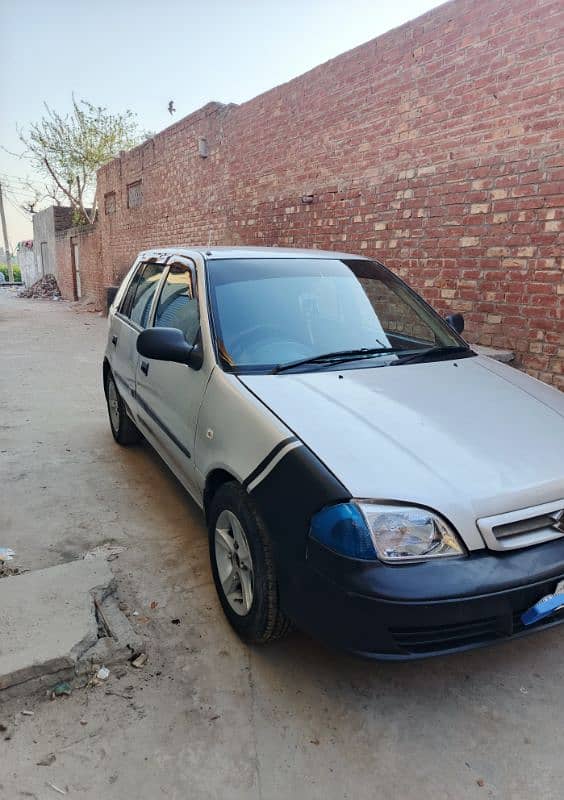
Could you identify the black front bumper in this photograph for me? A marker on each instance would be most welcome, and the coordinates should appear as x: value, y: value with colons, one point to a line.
x: 426, y: 609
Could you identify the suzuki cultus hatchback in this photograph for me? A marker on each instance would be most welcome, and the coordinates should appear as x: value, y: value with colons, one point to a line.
x: 363, y: 473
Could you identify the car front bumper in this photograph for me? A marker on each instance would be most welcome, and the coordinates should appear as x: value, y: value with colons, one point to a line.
x: 426, y: 609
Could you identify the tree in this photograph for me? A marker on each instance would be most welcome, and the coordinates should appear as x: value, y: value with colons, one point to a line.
x: 68, y: 149
x: 36, y: 195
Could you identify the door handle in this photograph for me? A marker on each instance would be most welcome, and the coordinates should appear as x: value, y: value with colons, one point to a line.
x: 114, y: 340
x: 144, y: 367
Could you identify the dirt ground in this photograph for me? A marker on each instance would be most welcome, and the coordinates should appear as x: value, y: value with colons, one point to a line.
x: 208, y: 717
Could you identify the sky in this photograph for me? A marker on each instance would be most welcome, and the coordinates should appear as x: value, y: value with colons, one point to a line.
x: 139, y: 54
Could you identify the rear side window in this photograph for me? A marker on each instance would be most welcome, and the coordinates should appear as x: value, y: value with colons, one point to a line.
x: 178, y: 306
x: 139, y: 296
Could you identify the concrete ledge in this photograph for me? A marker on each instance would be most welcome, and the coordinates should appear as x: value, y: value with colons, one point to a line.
x: 48, y: 619
x: 505, y: 356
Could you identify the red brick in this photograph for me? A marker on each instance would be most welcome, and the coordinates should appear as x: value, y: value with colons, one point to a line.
x: 399, y: 141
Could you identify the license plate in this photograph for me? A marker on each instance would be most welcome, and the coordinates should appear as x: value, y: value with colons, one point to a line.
x: 545, y: 607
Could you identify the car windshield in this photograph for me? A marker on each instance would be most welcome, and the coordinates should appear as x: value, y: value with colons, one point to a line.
x: 270, y: 312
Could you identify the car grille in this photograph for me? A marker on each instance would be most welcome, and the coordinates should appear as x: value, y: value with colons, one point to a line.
x: 443, y: 638
x: 446, y: 637
x: 525, y: 527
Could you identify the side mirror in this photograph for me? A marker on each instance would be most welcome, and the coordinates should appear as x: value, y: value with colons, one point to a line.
x: 169, y: 344
x: 456, y: 322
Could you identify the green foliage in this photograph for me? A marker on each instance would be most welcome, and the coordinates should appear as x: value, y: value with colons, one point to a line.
x: 68, y: 149
x: 78, y: 218
x: 17, y: 272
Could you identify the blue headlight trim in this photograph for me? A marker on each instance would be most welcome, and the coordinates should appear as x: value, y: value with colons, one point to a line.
x: 342, y: 528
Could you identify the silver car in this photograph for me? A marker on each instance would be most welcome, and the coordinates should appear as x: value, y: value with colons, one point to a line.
x: 364, y: 474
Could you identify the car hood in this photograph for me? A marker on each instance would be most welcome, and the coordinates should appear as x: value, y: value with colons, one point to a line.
x: 469, y: 438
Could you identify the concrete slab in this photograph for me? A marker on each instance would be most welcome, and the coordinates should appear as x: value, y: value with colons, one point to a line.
x: 48, y: 619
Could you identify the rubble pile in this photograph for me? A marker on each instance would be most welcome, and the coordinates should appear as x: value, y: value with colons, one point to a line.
x: 45, y: 287
x: 7, y: 554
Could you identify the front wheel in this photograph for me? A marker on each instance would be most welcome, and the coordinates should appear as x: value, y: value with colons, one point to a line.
x: 243, y: 567
x: 123, y: 428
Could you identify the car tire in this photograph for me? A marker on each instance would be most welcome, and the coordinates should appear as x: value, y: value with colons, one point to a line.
x: 124, y: 430
x: 260, y: 620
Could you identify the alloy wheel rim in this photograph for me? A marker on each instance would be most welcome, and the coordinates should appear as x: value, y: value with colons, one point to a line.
x: 113, y: 404
x: 234, y: 563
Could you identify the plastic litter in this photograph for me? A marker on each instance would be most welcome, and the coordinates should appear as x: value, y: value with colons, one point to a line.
x: 6, y: 553
x: 103, y: 674
x: 61, y: 689
x: 55, y: 788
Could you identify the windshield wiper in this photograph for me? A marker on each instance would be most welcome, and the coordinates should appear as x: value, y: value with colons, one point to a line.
x: 436, y: 350
x: 335, y: 358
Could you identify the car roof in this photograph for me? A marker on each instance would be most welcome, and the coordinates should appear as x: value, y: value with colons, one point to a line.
x: 212, y: 252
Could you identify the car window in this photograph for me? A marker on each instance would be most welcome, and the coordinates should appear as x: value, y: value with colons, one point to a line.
x: 177, y: 306
x: 268, y: 312
x: 125, y: 305
x: 395, y: 314
x: 137, y: 301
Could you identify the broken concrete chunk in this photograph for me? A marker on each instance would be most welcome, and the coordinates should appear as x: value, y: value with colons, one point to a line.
x: 107, y: 550
x: 77, y: 624
x: 139, y: 661
x: 48, y: 621
x: 47, y: 761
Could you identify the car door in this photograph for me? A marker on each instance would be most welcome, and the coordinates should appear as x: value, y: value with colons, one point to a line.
x: 169, y: 394
x: 129, y: 320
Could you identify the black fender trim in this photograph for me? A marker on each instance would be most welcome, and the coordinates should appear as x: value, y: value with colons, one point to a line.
x: 266, y: 461
x: 286, y: 498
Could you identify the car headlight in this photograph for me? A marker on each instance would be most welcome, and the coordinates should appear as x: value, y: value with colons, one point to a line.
x: 401, y: 533
x: 393, y: 534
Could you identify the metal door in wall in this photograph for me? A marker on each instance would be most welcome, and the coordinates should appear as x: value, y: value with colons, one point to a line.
x: 44, y: 259
x: 75, y: 257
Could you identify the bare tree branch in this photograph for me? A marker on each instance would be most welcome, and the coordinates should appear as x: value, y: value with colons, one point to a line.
x: 88, y: 217
x: 70, y: 148
x: 74, y: 201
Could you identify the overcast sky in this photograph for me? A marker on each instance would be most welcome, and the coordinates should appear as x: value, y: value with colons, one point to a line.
x: 139, y: 54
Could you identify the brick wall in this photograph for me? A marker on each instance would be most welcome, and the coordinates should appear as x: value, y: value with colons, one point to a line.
x: 435, y: 148
x: 89, y: 253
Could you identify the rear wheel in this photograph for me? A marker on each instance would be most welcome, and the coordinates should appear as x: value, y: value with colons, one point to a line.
x: 123, y: 428
x: 243, y: 567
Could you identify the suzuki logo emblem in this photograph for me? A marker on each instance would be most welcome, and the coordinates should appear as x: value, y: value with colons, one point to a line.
x: 558, y: 518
